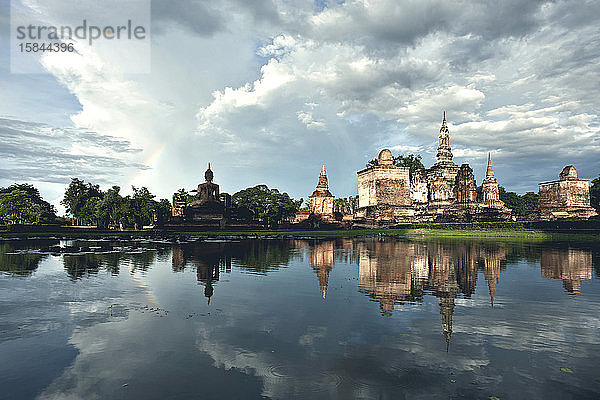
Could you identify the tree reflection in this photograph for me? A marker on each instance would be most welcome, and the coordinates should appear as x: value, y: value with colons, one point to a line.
x: 22, y: 264
x: 262, y: 256
x: 82, y: 265
x: 87, y: 258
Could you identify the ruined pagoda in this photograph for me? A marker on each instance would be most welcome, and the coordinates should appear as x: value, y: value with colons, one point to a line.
x: 321, y: 201
x: 443, y: 173
x: 490, y: 188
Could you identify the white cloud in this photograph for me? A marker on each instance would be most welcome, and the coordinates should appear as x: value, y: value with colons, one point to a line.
x: 236, y: 86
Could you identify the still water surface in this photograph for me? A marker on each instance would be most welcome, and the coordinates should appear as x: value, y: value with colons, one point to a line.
x: 344, y: 318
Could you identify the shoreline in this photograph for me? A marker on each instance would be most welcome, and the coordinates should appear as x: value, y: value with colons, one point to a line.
x: 412, y: 233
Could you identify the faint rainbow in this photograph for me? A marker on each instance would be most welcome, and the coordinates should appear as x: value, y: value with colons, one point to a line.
x: 150, y: 163
x: 140, y: 281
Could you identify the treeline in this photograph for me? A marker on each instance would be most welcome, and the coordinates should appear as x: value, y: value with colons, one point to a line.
x: 23, y: 204
x: 88, y: 205
x: 259, y: 204
x: 516, y: 202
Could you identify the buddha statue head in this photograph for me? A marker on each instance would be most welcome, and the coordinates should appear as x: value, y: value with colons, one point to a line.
x: 208, y: 175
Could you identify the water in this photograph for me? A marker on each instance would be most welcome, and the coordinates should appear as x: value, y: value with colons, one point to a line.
x: 344, y: 318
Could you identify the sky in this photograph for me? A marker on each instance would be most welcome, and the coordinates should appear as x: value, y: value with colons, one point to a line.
x: 268, y: 91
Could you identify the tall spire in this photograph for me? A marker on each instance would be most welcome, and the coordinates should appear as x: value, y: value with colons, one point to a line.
x: 322, y: 183
x: 490, y: 172
x: 444, y: 128
x: 444, y: 154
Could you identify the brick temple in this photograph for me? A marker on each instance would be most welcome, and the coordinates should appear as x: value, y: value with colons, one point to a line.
x: 445, y: 191
x: 569, y: 197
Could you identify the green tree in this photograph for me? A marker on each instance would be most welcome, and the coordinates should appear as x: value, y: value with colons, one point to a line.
x: 76, y: 199
x: 141, y: 207
x: 511, y: 200
x: 111, y: 209
x: 529, y: 201
x: 88, y: 213
x: 411, y: 161
x: 595, y: 194
x: 519, y: 203
x: 162, y: 211
x: 266, y: 205
x: 372, y: 163
x: 345, y: 205
x: 187, y: 195
x: 23, y: 204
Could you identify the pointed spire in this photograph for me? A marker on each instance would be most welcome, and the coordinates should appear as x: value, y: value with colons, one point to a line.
x: 444, y: 128
x: 490, y: 172
x: 444, y: 153
x: 322, y: 182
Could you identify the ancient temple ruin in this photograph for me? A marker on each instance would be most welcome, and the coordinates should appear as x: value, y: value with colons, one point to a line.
x: 207, y: 208
x: 391, y: 194
x: 321, y: 200
x: 568, y: 197
x: 444, y: 170
x: 384, y: 191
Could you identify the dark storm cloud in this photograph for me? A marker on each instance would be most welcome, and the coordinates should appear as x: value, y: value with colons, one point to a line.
x: 198, y: 17
x: 498, y: 19
x: 261, y: 10
x: 464, y: 52
x: 379, y: 26
x: 575, y: 14
x: 583, y: 54
x: 38, y: 152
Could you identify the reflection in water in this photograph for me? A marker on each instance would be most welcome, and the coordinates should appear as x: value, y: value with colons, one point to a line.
x: 393, y: 271
x: 85, y: 264
x: 570, y: 265
x: 17, y: 260
x: 492, y: 265
x: 385, y: 272
x: 78, y: 266
x: 288, y: 341
x: 321, y: 261
x: 209, y: 259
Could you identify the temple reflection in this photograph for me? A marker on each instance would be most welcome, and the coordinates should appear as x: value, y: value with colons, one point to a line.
x: 392, y: 272
x: 321, y: 261
x: 209, y: 259
x: 571, y: 265
x: 385, y: 272
x: 492, y: 262
x: 213, y: 258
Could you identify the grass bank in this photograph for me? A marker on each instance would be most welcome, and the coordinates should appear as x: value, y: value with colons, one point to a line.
x: 408, y: 233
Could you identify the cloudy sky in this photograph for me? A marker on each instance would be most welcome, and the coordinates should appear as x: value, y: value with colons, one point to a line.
x: 267, y: 91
